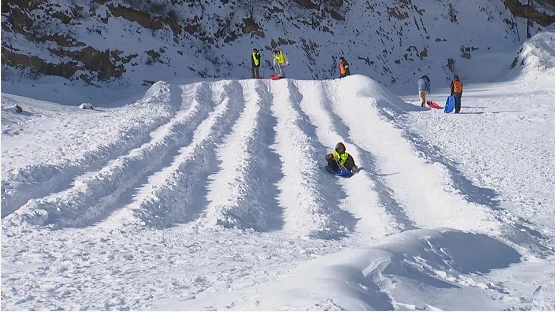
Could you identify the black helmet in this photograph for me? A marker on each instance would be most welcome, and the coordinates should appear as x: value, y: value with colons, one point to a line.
x: 340, y: 146
x: 342, y: 58
x: 456, y: 77
x: 254, y: 50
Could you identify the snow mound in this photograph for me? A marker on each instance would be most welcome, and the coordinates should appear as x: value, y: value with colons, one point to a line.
x: 536, y: 59
x: 412, y: 264
x: 423, y: 265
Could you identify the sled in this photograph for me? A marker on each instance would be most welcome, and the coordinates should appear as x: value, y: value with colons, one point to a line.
x: 450, y: 104
x: 275, y: 76
x: 433, y: 104
x: 342, y: 171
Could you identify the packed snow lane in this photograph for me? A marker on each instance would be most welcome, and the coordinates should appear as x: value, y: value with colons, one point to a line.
x: 175, y: 193
x: 423, y: 189
x: 364, y: 197
x: 242, y: 193
x: 310, y: 203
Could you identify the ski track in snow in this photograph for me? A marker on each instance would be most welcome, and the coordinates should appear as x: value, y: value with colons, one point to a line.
x: 421, y: 188
x: 241, y: 161
x: 43, y: 178
x: 172, y: 194
x: 94, y: 194
x: 373, y: 219
x: 235, y: 199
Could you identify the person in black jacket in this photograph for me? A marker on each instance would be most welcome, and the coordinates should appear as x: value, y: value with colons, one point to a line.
x: 340, y: 156
x: 255, y: 58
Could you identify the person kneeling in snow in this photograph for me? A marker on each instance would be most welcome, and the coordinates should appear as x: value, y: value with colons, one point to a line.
x: 340, y: 156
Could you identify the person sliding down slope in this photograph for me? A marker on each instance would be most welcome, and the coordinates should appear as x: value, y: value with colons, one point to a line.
x: 339, y: 157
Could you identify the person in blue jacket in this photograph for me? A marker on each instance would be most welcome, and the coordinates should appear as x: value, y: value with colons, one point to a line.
x: 423, y: 87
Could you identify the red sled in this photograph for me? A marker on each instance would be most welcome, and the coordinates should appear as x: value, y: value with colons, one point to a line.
x: 275, y: 76
x: 433, y: 105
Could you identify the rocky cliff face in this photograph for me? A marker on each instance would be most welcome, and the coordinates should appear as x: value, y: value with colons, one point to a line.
x: 136, y: 41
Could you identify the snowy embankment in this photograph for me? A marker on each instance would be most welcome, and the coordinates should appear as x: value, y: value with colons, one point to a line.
x: 212, y: 196
x: 415, y: 270
x: 502, y: 145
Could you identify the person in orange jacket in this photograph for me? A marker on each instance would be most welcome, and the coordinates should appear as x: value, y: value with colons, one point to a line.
x: 456, y: 91
x: 343, y: 68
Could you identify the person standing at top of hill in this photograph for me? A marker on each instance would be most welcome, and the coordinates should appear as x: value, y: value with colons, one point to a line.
x: 456, y: 91
x: 255, y: 58
x: 344, y: 70
x: 423, y: 87
x: 280, y: 60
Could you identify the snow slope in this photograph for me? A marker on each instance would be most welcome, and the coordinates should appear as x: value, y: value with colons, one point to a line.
x: 211, y: 195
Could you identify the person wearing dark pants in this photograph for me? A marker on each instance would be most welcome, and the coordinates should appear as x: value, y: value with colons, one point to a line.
x: 457, y: 102
x: 456, y: 91
x: 280, y: 60
x: 340, y: 155
x: 255, y: 58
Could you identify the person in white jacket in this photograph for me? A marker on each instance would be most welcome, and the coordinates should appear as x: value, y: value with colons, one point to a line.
x: 280, y: 60
x: 423, y: 86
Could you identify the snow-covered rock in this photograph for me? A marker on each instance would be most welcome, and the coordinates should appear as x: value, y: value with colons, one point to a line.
x: 86, y: 106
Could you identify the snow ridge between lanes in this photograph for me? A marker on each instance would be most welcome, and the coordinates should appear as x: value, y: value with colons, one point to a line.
x: 53, y: 169
x: 242, y: 193
x: 174, y: 194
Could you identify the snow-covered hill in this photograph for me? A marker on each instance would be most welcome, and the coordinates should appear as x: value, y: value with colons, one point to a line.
x: 211, y: 195
x: 119, y: 44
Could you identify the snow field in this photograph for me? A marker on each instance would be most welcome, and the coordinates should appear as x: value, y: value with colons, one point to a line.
x: 222, y: 203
